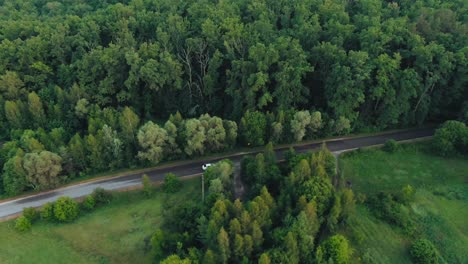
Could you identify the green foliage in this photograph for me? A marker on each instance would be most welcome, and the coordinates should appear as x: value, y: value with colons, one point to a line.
x: 31, y: 214
x: 291, y: 249
x: 42, y: 169
x: 215, y: 132
x: 334, y: 215
x: 152, y: 140
x: 320, y: 190
x: 221, y: 174
x: 249, y: 62
x: 172, y: 183
x: 47, y: 241
x: 390, y: 146
x: 89, y: 203
x: 196, y: 137
x: 22, y: 224
x: 299, y: 124
x: 348, y: 204
x: 437, y: 181
x: 253, y: 128
x: 101, y: 196
x: 174, y: 259
x: 423, y: 252
x: 14, y: 175
x: 210, y: 257
x: 147, y: 185
x: 66, y: 209
x: 406, y: 194
x: 47, y: 212
x: 451, y: 138
x: 264, y: 259
x: 157, y: 244
x: 386, y: 207
x: 223, y: 246
x: 336, y: 249
x: 341, y: 126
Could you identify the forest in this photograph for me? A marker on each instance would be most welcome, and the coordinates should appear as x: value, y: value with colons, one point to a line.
x: 283, y: 219
x: 93, y: 86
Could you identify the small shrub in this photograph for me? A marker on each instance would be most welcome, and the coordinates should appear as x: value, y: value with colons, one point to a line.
x: 101, y: 196
x: 47, y: 212
x: 172, y: 183
x: 22, y: 224
x: 335, y: 249
x: 390, y: 146
x: 361, y: 198
x: 406, y: 195
x: 147, y: 186
x: 370, y: 257
x: 89, y: 203
x: 423, y: 252
x: 386, y: 207
x: 31, y: 214
x: 66, y: 209
x: 451, y: 138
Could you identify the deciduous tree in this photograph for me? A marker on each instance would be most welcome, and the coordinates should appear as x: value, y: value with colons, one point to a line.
x: 42, y: 169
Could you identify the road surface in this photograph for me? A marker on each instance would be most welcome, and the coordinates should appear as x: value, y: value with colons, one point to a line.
x: 15, y: 206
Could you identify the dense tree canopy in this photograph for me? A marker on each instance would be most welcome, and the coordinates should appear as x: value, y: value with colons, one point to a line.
x: 81, y: 78
x: 294, y: 219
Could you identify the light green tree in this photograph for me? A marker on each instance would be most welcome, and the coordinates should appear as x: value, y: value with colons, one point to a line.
x: 152, y: 140
x: 36, y: 109
x: 223, y: 246
x: 299, y: 124
x: 42, y: 169
x: 195, y: 135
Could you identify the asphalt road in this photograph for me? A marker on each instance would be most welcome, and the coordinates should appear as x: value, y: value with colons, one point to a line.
x: 15, y: 206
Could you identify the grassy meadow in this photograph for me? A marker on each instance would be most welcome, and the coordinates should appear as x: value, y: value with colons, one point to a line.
x: 117, y: 233
x: 439, y: 209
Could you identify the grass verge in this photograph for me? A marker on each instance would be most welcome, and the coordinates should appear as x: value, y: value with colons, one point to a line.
x: 439, y: 208
x: 117, y: 233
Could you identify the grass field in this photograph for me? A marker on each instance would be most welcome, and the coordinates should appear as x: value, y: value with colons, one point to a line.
x: 112, y: 234
x: 440, y: 208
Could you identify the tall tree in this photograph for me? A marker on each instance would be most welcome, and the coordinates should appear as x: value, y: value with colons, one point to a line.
x: 42, y: 169
x: 36, y: 109
x: 223, y: 246
x: 152, y: 139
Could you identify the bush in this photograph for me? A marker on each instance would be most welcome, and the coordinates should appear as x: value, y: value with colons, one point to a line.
x: 101, y: 196
x: 147, y: 186
x: 47, y: 212
x: 423, y: 252
x: 31, y: 214
x: 89, y: 203
x: 406, y: 195
x: 386, y: 207
x: 66, y: 209
x: 390, y: 146
x: 172, y: 183
x: 451, y: 138
x: 22, y: 224
x: 335, y: 249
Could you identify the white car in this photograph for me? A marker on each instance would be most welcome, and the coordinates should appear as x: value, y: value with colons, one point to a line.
x: 205, y: 166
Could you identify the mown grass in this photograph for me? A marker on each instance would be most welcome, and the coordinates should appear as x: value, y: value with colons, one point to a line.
x: 440, y: 208
x: 116, y: 233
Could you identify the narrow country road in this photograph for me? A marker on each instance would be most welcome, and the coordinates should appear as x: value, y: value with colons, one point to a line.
x: 12, y: 207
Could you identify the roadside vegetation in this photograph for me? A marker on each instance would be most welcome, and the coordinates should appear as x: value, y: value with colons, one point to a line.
x: 410, y: 200
x: 290, y: 213
x: 400, y: 203
x: 117, y: 232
